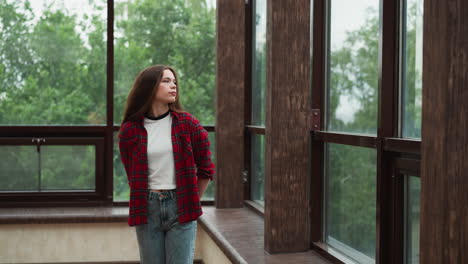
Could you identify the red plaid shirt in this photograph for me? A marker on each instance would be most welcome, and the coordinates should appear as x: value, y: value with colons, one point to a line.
x: 192, y: 159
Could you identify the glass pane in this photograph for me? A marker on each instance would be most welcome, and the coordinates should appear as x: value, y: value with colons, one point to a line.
x: 353, y: 66
x: 413, y: 202
x: 351, y: 201
x: 53, y: 62
x: 179, y: 33
x: 412, y: 62
x: 121, y: 189
x: 257, y: 165
x: 19, y: 168
x: 209, y: 194
x: 259, y: 63
x: 68, y: 167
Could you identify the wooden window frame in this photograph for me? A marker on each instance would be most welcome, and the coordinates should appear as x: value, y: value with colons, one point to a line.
x: 59, y: 197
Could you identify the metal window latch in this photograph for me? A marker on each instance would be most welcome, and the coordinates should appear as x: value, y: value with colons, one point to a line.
x: 245, y: 175
x: 38, y: 142
x: 314, y: 120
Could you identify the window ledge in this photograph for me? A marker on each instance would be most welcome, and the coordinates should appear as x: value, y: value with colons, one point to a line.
x: 238, y: 232
x: 54, y: 215
x: 210, y: 228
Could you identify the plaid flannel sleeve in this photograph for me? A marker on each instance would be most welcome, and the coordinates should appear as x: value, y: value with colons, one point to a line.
x: 201, y: 151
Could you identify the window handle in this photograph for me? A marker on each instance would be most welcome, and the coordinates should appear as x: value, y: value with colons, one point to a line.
x: 38, y: 142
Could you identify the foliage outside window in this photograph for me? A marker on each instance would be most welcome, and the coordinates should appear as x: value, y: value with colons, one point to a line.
x: 209, y: 193
x: 121, y: 188
x: 412, y: 62
x: 179, y: 33
x: 32, y: 168
x: 412, y: 216
x: 52, y: 62
x: 352, y: 101
x: 353, y: 66
x: 20, y: 168
x: 258, y: 89
x: 259, y: 63
x: 257, y: 177
x: 351, y: 201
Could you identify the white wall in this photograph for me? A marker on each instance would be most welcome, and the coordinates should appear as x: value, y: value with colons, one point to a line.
x: 40, y: 243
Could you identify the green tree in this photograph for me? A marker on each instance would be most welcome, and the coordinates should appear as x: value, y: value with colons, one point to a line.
x: 412, y: 75
x: 178, y: 33
x: 48, y: 75
x: 354, y: 73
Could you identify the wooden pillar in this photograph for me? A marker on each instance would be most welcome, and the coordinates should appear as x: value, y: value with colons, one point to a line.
x: 444, y: 168
x: 230, y: 86
x: 287, y: 181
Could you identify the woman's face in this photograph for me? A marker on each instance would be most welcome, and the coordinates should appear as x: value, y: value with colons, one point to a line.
x: 167, y: 88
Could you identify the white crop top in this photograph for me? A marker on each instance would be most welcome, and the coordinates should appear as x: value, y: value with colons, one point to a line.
x: 161, y: 172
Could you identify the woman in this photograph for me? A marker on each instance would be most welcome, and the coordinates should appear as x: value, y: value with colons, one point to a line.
x: 165, y: 152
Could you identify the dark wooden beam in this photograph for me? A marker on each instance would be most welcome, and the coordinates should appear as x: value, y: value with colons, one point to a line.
x: 230, y: 87
x: 317, y: 100
x: 386, y: 189
x: 444, y: 146
x: 366, y: 141
x: 287, y: 181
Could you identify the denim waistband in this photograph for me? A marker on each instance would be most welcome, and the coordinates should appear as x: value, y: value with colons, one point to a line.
x: 162, y: 195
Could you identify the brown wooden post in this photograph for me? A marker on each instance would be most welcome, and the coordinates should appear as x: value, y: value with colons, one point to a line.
x: 287, y: 181
x: 444, y: 147
x: 230, y: 100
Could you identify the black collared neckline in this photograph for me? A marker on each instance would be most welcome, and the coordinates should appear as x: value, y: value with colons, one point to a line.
x: 158, y: 117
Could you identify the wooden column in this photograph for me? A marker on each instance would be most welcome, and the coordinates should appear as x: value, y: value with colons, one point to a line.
x: 230, y: 86
x: 444, y: 147
x: 287, y: 181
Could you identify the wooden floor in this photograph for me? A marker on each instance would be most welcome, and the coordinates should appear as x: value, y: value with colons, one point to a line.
x: 243, y: 229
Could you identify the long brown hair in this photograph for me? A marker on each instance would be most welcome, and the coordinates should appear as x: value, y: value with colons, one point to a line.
x: 144, y: 89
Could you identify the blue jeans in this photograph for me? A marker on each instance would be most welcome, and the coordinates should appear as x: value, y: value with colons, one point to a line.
x: 163, y: 240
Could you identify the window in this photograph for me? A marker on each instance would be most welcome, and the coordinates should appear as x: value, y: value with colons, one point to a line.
x: 42, y: 168
x: 353, y: 66
x: 366, y: 85
x: 64, y: 82
x: 350, y: 201
x: 411, y: 71
x: 256, y: 125
x: 121, y: 190
x: 209, y: 194
x: 20, y: 168
x: 53, y: 63
x: 257, y: 178
x: 259, y: 63
x: 411, y: 216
